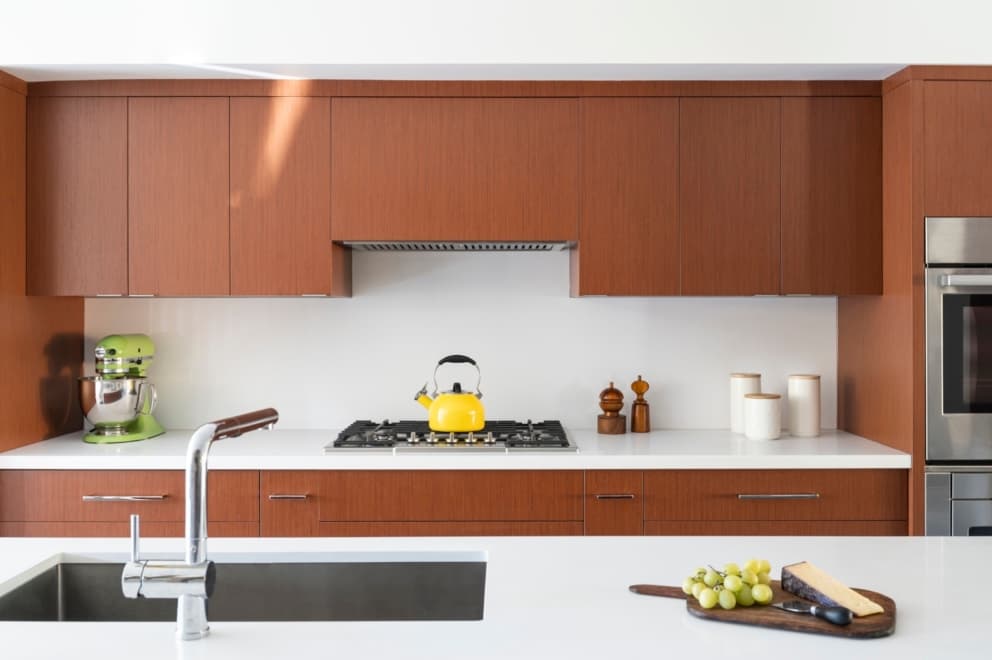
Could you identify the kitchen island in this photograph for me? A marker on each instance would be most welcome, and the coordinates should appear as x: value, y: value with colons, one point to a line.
x: 555, y: 598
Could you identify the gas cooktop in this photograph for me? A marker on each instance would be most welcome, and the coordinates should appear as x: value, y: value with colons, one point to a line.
x: 415, y: 436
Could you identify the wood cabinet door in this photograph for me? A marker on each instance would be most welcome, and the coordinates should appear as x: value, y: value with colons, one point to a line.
x: 281, y: 196
x: 454, y: 169
x: 729, y: 190
x: 832, y: 195
x: 77, y: 196
x: 628, y: 229
x: 290, y: 503
x: 775, y: 528
x: 957, y: 148
x: 465, y: 528
x: 178, y: 185
x: 614, y: 502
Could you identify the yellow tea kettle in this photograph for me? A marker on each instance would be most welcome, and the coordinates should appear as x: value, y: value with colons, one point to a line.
x: 454, y: 411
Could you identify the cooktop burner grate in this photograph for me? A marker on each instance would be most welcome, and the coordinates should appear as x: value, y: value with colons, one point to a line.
x: 496, y: 436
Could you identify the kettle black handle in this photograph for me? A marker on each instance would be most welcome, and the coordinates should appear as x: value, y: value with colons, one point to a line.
x: 456, y: 359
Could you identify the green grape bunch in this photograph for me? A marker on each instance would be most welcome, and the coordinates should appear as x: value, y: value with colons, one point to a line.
x: 735, y: 585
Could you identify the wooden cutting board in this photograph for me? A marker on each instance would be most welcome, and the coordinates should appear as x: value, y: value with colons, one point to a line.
x: 868, y: 627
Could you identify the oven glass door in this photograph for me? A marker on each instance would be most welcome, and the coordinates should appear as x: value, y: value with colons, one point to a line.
x: 967, y: 354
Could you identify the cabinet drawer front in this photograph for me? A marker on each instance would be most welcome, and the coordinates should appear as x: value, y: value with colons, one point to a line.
x: 122, y: 529
x: 112, y: 495
x: 614, y: 502
x: 420, y: 495
x: 775, y: 528
x: 517, y: 528
x: 775, y: 495
x: 289, y: 503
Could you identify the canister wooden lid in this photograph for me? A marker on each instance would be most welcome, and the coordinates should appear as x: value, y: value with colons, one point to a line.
x: 762, y: 395
x: 805, y: 376
x: 743, y: 375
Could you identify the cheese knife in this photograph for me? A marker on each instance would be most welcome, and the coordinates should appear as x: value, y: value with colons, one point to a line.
x: 837, y: 615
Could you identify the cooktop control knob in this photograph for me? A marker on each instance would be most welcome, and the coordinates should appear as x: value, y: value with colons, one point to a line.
x: 414, y: 438
x: 490, y: 440
x: 432, y: 437
x: 452, y: 439
x: 470, y: 438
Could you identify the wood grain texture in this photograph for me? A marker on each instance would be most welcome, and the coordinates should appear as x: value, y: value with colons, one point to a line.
x: 958, y: 148
x: 729, y: 194
x: 775, y: 528
x: 12, y: 227
x: 455, y: 88
x: 868, y: 627
x: 43, y: 401
x: 283, y: 517
x: 454, y: 169
x: 57, y: 495
x: 880, y: 342
x: 178, y: 184
x: 696, y: 495
x: 629, y: 226
x: 77, y: 196
x: 463, y: 528
x: 280, y: 197
x: 935, y: 72
x: 13, y: 83
x: 123, y: 529
x: 612, y: 516
x: 450, y: 495
x: 832, y: 196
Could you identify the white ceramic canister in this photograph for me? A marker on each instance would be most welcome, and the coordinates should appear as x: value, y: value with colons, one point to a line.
x: 762, y: 416
x: 741, y: 384
x: 804, y: 405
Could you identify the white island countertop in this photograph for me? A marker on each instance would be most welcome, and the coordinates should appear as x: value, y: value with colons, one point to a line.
x: 556, y: 598
x: 281, y: 449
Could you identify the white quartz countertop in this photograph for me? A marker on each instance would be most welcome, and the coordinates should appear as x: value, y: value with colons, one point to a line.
x: 555, y: 598
x: 304, y: 450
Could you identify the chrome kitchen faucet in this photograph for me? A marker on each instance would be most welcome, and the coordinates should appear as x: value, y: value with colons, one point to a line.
x: 191, y: 582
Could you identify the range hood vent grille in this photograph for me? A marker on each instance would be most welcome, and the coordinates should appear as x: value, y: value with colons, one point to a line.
x: 450, y: 246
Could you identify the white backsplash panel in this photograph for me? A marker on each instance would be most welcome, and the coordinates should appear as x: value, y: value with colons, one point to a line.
x: 325, y: 362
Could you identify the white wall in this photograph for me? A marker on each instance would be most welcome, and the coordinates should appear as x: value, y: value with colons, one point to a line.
x: 324, y: 362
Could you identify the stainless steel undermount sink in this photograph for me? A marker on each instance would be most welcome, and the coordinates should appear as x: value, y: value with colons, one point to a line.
x: 386, y: 586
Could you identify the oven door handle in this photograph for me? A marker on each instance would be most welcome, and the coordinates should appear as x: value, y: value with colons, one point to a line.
x: 947, y: 281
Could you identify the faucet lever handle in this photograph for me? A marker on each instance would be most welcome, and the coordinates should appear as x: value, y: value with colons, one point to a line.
x: 135, y: 536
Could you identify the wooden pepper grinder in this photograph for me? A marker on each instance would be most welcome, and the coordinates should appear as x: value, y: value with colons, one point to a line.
x: 640, y: 411
x: 611, y: 422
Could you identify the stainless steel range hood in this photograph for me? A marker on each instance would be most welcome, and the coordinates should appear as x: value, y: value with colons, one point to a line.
x: 458, y: 246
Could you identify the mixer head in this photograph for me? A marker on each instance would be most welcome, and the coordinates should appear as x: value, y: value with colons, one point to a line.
x: 120, y: 356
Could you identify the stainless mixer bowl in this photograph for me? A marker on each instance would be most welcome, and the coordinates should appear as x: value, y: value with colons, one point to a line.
x: 110, y: 404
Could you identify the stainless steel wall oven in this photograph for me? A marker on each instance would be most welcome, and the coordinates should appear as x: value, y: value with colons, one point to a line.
x: 959, y: 376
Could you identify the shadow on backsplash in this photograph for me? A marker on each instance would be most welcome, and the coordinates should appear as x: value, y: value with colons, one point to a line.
x: 59, y: 389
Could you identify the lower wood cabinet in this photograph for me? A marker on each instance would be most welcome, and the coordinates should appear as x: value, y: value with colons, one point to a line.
x: 422, y: 502
x: 793, y: 502
x: 297, y: 503
x: 100, y: 502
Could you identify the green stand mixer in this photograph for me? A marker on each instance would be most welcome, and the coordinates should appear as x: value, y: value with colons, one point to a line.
x: 119, y: 400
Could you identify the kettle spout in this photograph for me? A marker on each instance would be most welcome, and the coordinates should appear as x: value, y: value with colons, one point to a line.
x: 422, y: 398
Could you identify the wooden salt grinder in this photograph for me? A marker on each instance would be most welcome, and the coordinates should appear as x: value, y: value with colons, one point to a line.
x: 611, y: 422
x: 640, y: 411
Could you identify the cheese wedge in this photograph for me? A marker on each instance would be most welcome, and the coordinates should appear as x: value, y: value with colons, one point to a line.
x: 807, y: 581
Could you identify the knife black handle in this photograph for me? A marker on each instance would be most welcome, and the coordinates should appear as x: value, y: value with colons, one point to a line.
x: 837, y: 615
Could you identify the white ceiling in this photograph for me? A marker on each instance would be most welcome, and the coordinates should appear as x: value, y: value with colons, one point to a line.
x: 489, y: 39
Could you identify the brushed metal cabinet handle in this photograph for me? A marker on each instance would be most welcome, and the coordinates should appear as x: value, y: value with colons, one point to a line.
x: 124, y: 498
x: 616, y: 496
x: 778, y: 496
x: 279, y: 496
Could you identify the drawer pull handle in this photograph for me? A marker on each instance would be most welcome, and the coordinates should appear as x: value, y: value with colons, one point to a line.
x: 276, y: 496
x: 124, y: 498
x: 616, y: 496
x: 778, y: 496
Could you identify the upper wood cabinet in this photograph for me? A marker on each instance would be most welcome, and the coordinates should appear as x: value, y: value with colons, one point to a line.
x: 77, y: 196
x: 178, y: 188
x: 281, y: 197
x: 629, y: 228
x: 454, y: 169
x: 832, y: 195
x: 729, y: 191
x: 958, y: 148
